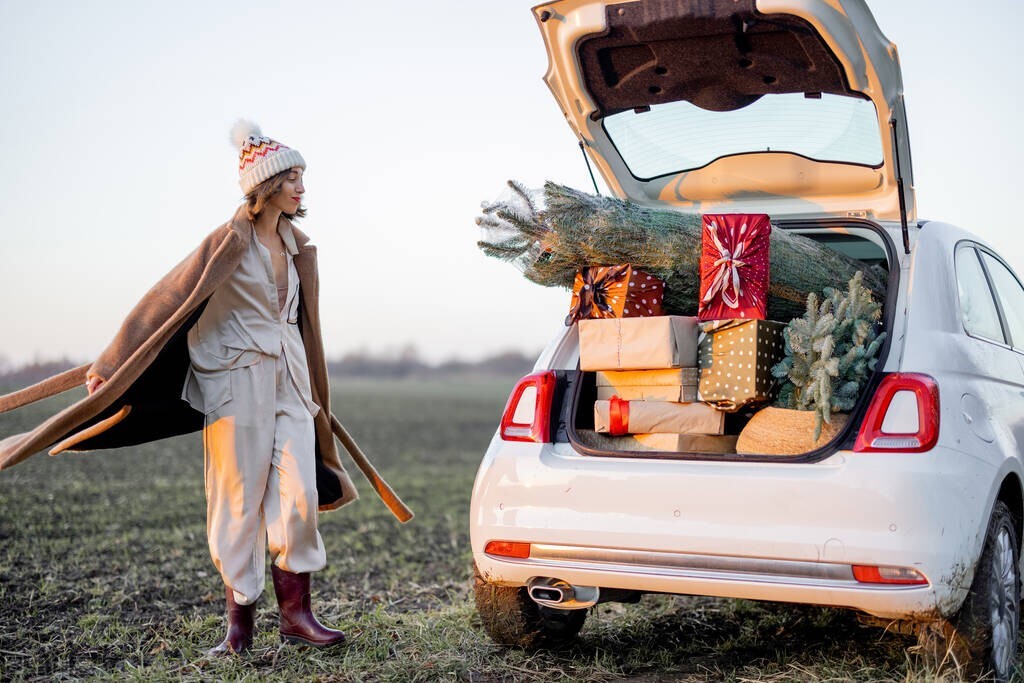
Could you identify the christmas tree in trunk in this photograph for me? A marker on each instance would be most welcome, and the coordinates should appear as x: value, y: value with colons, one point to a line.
x: 550, y: 239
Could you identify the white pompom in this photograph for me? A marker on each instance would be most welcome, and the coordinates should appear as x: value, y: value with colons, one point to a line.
x: 242, y: 131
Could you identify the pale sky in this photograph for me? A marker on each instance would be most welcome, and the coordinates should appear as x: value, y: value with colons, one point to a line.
x: 114, y: 122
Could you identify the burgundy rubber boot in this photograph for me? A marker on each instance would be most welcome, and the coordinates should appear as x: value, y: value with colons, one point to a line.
x: 298, y: 625
x: 241, y: 620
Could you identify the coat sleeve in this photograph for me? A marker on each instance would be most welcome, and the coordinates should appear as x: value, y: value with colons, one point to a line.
x: 158, y: 305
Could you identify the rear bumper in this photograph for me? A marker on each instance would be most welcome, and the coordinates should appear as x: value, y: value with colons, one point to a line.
x: 735, y: 577
x: 765, y: 531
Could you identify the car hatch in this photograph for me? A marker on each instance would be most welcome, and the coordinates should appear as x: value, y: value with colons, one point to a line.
x: 788, y: 107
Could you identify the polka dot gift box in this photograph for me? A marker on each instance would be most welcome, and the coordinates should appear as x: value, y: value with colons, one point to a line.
x: 734, y: 266
x: 735, y: 359
x: 615, y: 292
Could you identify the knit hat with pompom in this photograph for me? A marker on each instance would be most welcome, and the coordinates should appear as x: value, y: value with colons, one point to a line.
x: 260, y: 157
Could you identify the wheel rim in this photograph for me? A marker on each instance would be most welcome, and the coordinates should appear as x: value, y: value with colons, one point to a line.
x: 1005, y: 603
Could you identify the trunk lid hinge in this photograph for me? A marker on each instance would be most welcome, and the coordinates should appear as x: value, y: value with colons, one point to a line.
x: 586, y: 159
x: 899, y: 186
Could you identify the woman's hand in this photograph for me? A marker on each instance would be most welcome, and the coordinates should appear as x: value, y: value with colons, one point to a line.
x: 93, y: 383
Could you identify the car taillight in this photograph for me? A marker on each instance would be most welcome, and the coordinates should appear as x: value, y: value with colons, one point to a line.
x: 903, y: 416
x: 527, y: 415
x: 904, y: 576
x: 514, y: 549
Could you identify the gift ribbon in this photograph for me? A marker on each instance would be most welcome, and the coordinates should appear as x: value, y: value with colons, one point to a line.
x: 618, y: 416
x: 728, y: 265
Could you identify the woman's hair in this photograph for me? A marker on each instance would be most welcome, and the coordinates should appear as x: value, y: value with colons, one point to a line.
x: 257, y: 198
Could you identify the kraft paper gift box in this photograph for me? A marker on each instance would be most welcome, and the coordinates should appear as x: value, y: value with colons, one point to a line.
x: 686, y: 443
x: 659, y: 342
x: 618, y: 417
x: 665, y: 443
x: 677, y: 384
x: 736, y: 359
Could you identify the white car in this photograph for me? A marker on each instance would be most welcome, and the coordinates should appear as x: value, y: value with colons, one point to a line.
x: 913, y: 513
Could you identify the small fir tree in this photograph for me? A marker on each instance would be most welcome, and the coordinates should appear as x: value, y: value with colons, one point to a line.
x: 830, y: 352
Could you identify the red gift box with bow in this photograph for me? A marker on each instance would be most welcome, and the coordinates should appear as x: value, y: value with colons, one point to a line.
x: 734, y: 267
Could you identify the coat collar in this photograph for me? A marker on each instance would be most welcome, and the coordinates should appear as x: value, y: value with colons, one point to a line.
x: 294, y: 239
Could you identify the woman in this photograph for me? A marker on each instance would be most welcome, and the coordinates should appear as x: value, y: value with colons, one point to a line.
x: 234, y: 330
x: 248, y: 375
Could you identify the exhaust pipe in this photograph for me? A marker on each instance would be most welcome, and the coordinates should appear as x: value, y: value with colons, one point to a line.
x: 561, y: 594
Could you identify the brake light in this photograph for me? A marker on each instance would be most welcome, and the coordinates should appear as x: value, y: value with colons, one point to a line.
x: 527, y: 415
x: 508, y: 549
x: 903, y: 416
x: 894, y: 575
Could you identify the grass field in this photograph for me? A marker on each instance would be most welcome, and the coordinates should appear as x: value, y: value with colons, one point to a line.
x: 105, y: 574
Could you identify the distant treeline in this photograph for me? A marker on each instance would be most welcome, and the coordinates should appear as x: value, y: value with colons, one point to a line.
x: 404, y: 363
x: 407, y: 363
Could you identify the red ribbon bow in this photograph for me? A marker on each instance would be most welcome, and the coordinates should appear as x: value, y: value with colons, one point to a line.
x: 728, y: 265
x: 618, y: 416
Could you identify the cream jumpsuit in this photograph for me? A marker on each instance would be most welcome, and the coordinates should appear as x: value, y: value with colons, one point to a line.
x: 248, y: 375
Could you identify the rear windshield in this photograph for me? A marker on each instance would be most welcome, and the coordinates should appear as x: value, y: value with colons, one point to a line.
x: 680, y: 136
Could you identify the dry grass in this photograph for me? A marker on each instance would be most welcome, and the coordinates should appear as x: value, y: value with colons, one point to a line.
x: 104, y: 574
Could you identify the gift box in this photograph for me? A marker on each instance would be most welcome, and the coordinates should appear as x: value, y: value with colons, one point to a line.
x: 665, y: 443
x: 676, y: 384
x: 734, y: 267
x: 736, y: 358
x: 618, y: 417
x: 615, y: 292
x: 647, y: 378
x: 667, y: 341
x: 686, y: 443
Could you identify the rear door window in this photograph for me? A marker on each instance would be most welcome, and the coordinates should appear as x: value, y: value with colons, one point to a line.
x: 676, y: 136
x: 1011, y: 297
x: 978, y: 308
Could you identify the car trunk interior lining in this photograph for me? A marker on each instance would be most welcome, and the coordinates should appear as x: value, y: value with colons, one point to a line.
x: 720, y: 55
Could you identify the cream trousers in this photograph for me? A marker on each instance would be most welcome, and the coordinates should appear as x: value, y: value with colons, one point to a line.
x: 261, y: 479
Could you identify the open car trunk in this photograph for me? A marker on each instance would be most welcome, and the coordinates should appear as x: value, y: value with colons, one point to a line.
x: 787, y: 108
x: 792, y: 108
x: 857, y: 239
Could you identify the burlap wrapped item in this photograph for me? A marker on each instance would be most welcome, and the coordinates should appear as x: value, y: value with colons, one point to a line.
x: 618, y: 417
x: 676, y: 384
x: 781, y: 431
x: 658, y: 443
x: 668, y: 341
x: 736, y: 359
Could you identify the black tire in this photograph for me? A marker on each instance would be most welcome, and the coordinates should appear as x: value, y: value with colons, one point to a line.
x: 511, y: 618
x: 988, y: 622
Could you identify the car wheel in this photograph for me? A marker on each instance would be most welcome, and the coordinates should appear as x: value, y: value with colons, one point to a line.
x: 511, y: 618
x: 988, y: 622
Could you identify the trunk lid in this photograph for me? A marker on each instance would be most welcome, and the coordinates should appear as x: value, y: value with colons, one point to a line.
x: 788, y: 107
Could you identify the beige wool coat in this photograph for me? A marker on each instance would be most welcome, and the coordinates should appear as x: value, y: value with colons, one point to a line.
x: 145, y: 365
